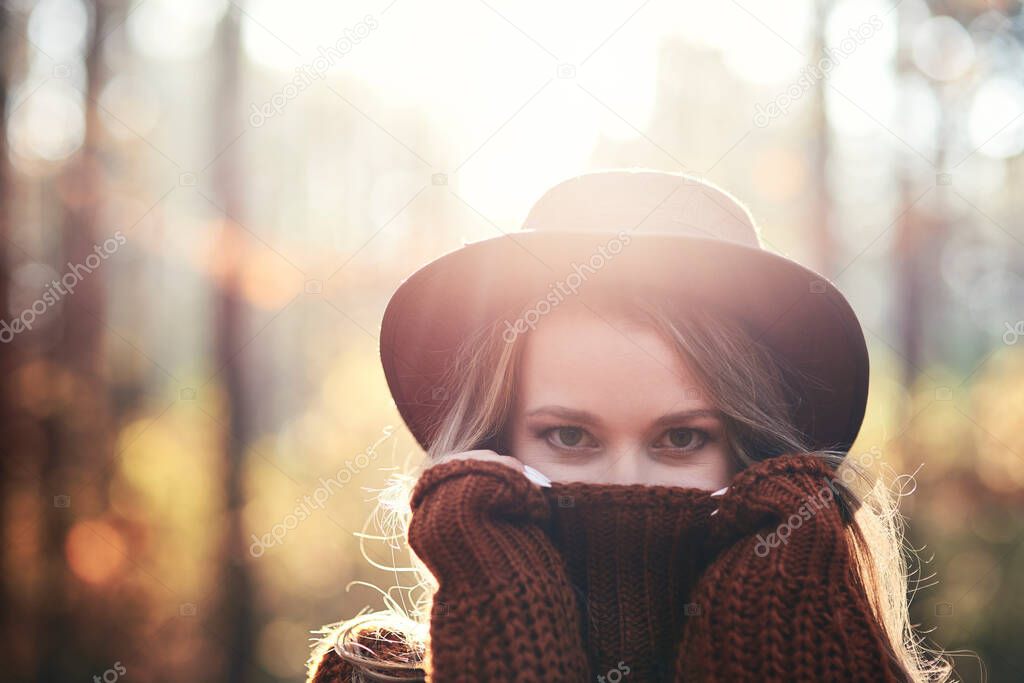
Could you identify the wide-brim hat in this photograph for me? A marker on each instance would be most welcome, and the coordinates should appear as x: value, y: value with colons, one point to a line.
x: 667, y: 232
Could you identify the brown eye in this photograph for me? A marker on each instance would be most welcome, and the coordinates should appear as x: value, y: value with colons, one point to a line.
x: 569, y: 436
x: 682, y: 438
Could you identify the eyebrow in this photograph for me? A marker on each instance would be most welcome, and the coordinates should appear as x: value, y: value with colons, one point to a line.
x: 564, y: 413
x: 684, y: 415
x: 585, y: 417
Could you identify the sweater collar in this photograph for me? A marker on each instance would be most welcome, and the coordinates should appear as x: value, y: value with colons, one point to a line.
x: 633, y: 554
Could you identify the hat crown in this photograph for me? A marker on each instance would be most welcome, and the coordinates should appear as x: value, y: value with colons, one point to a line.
x: 640, y: 201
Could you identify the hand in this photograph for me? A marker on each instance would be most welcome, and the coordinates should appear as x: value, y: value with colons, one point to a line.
x: 773, y: 491
x: 504, y: 609
x: 486, y: 487
x: 532, y: 474
x: 463, y: 503
x: 482, y: 454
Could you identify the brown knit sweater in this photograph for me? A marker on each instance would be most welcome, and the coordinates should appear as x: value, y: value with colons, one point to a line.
x: 612, y: 582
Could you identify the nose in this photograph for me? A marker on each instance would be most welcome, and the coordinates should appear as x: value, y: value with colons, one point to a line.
x: 626, y: 464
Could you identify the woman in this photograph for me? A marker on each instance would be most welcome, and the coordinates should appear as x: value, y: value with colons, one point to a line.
x: 637, y: 424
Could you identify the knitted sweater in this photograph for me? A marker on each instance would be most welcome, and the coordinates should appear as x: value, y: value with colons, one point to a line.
x: 613, y: 582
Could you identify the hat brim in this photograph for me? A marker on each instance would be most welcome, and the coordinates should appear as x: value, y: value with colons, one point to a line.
x: 794, y: 311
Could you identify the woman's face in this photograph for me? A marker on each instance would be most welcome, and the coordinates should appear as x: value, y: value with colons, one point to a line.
x: 605, y: 401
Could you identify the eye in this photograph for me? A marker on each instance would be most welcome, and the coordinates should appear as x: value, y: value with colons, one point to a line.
x: 684, y: 438
x: 569, y: 437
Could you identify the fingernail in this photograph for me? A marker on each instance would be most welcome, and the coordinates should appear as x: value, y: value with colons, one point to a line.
x: 718, y: 493
x: 536, y: 477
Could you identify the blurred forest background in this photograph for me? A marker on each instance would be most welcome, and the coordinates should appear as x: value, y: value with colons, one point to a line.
x: 206, y: 204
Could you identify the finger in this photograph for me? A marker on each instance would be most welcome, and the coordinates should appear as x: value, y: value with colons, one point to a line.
x: 488, y: 455
x: 536, y: 476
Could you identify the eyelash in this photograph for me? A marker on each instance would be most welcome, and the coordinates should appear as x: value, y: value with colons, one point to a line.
x: 704, y: 438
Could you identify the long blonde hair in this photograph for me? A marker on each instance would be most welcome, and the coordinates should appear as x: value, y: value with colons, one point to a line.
x: 752, y: 388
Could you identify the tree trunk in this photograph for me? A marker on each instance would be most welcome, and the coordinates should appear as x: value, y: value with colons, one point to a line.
x: 237, y: 599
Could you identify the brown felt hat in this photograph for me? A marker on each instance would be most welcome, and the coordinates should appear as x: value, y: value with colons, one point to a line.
x: 665, y: 232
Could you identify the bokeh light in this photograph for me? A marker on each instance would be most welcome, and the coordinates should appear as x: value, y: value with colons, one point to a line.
x: 268, y: 174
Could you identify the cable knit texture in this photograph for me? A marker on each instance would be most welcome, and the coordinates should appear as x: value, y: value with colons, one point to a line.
x: 783, y: 600
x: 633, y: 553
x: 611, y: 582
x: 504, y: 609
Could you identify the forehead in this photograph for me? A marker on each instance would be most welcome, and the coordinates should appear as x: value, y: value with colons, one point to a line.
x: 604, y: 364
